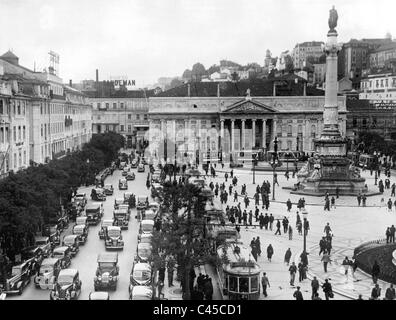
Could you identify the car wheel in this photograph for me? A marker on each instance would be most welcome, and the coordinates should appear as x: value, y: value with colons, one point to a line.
x: 20, y: 290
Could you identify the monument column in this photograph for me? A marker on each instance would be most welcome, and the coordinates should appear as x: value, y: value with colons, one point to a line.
x: 243, y: 134
x: 253, y: 133
x: 264, y: 137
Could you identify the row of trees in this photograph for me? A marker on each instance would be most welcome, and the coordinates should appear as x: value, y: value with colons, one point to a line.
x: 33, y: 197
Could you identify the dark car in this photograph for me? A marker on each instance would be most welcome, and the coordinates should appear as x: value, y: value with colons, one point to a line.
x: 130, y: 176
x: 20, y: 278
x: 98, y: 194
x: 73, y: 243
x: 93, y: 212
x: 106, y: 276
x: 108, y: 189
x: 67, y: 286
x: 134, y: 163
x: 64, y: 255
x: 82, y: 232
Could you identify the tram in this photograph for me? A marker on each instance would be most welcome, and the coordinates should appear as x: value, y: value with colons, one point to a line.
x: 239, y: 274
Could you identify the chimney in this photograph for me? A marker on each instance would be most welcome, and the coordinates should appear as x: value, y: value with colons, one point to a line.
x: 70, y: 83
x: 305, y: 89
x: 218, y: 90
x: 188, y: 90
x: 97, y: 75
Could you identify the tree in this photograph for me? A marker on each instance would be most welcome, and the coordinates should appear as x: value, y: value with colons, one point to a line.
x: 198, y: 70
x: 322, y: 58
x: 187, y: 74
x: 372, y: 141
x: 175, y: 83
x: 235, y: 76
x: 289, y: 65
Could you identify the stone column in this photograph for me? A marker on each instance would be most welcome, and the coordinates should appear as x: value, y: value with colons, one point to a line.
x: 222, y: 135
x: 264, y: 137
x: 274, y: 124
x: 232, y: 135
x: 307, y: 135
x: 253, y: 133
x: 243, y: 134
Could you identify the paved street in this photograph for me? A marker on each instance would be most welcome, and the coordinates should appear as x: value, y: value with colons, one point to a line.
x: 85, y: 261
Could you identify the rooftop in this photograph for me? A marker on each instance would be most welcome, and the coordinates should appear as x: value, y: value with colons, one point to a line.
x: 385, y: 47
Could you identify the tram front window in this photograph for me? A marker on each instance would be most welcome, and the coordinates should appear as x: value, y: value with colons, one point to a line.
x: 254, y: 284
x: 233, y: 283
x: 243, y: 284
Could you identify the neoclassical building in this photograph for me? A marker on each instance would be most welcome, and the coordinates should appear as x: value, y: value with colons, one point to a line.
x: 204, y: 119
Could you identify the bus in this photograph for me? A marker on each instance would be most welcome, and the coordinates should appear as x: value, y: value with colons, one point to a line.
x: 239, y: 273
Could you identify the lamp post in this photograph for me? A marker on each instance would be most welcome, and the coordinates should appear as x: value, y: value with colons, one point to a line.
x: 254, y: 162
x: 375, y: 168
x: 305, y: 227
x: 274, y: 164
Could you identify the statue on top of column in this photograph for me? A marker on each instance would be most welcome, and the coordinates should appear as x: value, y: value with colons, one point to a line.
x: 333, y: 19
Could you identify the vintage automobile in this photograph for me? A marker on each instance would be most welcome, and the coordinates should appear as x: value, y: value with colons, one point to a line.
x: 33, y: 256
x: 105, y: 223
x: 156, y: 189
x: 53, y: 233
x: 140, y: 167
x: 141, y: 293
x: 48, y: 273
x: 94, y: 213
x: 117, y: 202
x: 145, y: 238
x: 125, y: 207
x: 146, y: 226
x: 98, y: 194
x: 67, y: 286
x: 20, y: 278
x: 149, y: 214
x: 141, y: 275
x: 80, y: 198
x: 143, y: 252
x: 155, y: 206
x: 142, y: 204
x: 123, y: 184
x: 130, y: 176
x: 125, y: 171
x: 64, y: 255
x: 134, y: 163
x: 156, y: 177
x: 99, y: 295
x: 82, y: 220
x: 107, y: 273
x: 108, y: 189
x: 120, y: 218
x: 44, y: 244
x: 113, y: 238
x: 82, y: 232
x: 73, y: 243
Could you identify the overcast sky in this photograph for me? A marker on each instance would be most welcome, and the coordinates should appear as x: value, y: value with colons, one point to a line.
x: 147, y: 39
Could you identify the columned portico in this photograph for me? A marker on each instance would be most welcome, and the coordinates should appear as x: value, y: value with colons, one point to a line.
x: 243, y: 134
x: 232, y: 135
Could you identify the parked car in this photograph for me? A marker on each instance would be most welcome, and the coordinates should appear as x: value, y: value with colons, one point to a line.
x: 140, y: 167
x: 125, y: 171
x: 122, y: 165
x: 141, y: 293
x: 103, y: 228
x: 141, y: 275
x: 98, y: 194
x: 107, y: 272
x: 20, y: 278
x: 82, y: 232
x: 44, y: 244
x: 72, y: 242
x: 149, y: 214
x: 32, y: 255
x: 143, y: 252
x: 99, y: 295
x: 80, y: 198
x: 94, y: 212
x: 134, y: 163
x: 82, y: 220
x: 67, y: 286
x: 146, y: 226
x: 113, y: 238
x: 156, y: 177
x: 127, y: 195
x: 123, y: 184
x: 125, y: 207
x: 64, y: 255
x: 53, y: 233
x: 142, y: 204
x: 120, y: 218
x: 130, y: 176
x: 117, y: 202
x: 108, y: 189
x: 145, y: 238
x: 48, y: 273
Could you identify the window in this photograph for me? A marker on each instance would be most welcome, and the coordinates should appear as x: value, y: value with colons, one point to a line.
x: 364, y: 122
x: 382, y: 83
x: 14, y: 133
x: 114, y: 105
x: 1, y: 134
x: 107, y: 105
x: 289, y: 130
x: 289, y: 145
x: 122, y: 128
x: 122, y: 105
x: 376, y: 83
x: 129, y: 116
x: 138, y: 117
x: 98, y: 105
x: 354, y: 123
x: 1, y: 106
x: 19, y: 107
x: 15, y: 160
x: 129, y: 128
x: 313, y: 131
x: 24, y: 157
x: 24, y: 132
x: 386, y: 82
x: 145, y: 118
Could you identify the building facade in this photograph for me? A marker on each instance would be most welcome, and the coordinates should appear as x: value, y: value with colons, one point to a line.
x: 379, y: 88
x: 190, y: 127
x: 380, y: 56
x: 304, y: 50
x: 319, y: 73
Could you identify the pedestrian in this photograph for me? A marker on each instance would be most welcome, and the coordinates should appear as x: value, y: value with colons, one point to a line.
x: 346, y: 263
x: 293, y: 271
x: 390, y: 293
x: 388, y: 235
x: 271, y: 221
x: 393, y: 190
x: 288, y: 255
x: 226, y: 176
x: 235, y: 196
x: 160, y: 286
x: 258, y: 245
x: 392, y: 234
x: 359, y: 199
x: 289, y: 205
x: 265, y: 283
x: 364, y: 198
x: 270, y: 252
x: 327, y: 229
x: 322, y: 245
x: 306, y: 226
x: 315, y: 287
x: 261, y: 220
x: 290, y: 231
x: 326, y: 259
x: 337, y: 192
x: 376, y: 292
x: 375, y: 271
x: 298, y: 295
x: 327, y: 289
x: 170, y: 268
x: 208, y: 288
x: 390, y: 205
x: 300, y: 268
x: 278, y: 225
x: 332, y: 201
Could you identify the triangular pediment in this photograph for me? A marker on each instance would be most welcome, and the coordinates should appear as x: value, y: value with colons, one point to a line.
x: 249, y: 106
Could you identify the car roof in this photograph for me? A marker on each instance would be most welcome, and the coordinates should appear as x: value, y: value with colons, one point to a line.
x: 109, y: 228
x: 108, y: 257
x: 70, y: 236
x: 99, y: 295
x: 92, y: 206
x: 141, y: 266
x: 68, y: 272
x: 144, y: 245
x: 60, y: 249
x: 119, y: 199
x: 79, y: 226
x: 49, y: 261
x: 38, y: 238
x: 108, y: 185
x: 154, y: 203
x: 148, y: 222
x: 142, y: 291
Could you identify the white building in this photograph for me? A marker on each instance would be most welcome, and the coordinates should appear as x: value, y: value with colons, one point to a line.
x: 379, y: 88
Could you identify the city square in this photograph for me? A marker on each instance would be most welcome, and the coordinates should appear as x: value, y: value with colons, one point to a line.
x: 256, y: 182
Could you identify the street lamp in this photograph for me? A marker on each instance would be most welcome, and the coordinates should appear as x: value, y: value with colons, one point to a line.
x: 274, y: 164
x: 305, y: 226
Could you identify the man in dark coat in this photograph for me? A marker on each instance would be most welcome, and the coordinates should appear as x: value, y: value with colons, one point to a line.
x: 289, y: 205
x: 271, y: 221
x: 375, y: 271
x: 315, y: 287
x: 298, y: 295
x: 327, y: 289
x: 278, y: 226
x: 288, y: 255
x: 208, y: 288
